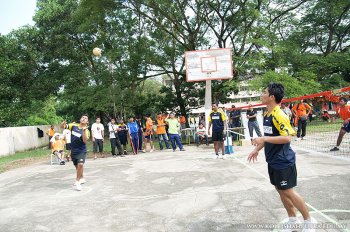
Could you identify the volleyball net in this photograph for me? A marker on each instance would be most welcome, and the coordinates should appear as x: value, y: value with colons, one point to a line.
x: 322, y: 125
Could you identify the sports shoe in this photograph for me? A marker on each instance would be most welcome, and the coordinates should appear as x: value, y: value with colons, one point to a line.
x: 77, y: 186
x: 224, y: 157
x: 292, y: 225
x: 82, y: 181
x: 334, y: 149
x: 125, y: 153
x: 216, y: 157
x: 303, y: 138
x: 309, y: 225
x: 182, y: 149
x: 62, y: 163
x: 297, y: 139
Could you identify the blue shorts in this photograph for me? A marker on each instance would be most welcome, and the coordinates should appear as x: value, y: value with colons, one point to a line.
x: 346, y: 127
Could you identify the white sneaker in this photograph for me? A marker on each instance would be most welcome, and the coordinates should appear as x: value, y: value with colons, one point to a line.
x: 216, y: 157
x: 293, y: 224
x: 77, y: 186
x: 297, y: 139
x: 223, y: 157
x: 82, y: 181
x: 309, y: 225
x: 303, y: 138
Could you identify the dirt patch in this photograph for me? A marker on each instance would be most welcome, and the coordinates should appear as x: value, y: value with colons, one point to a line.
x: 23, y: 162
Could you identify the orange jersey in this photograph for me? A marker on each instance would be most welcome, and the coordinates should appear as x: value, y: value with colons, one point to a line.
x: 300, y: 109
x: 149, y: 124
x: 344, y: 112
x: 58, y: 145
x: 160, y: 129
x: 51, y: 132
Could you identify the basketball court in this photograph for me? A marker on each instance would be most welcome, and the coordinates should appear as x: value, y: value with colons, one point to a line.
x: 170, y: 191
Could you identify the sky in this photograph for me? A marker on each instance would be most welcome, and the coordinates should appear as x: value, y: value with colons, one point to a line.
x: 15, y: 14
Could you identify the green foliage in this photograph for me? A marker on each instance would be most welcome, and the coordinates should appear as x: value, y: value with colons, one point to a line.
x: 303, y: 83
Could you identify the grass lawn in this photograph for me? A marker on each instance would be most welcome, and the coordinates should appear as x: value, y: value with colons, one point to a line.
x: 25, y: 158
x: 321, y: 126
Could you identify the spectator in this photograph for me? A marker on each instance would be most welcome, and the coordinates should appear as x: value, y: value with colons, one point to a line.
x: 201, y: 134
x: 58, y: 148
x: 174, y: 132
x: 301, y: 112
x: 98, y: 132
x: 161, y: 132
x: 235, y: 120
x: 149, y: 131
x: 134, y: 134
x: 326, y: 116
x: 183, y: 122
x: 286, y: 110
x: 114, y: 139
x: 50, y: 132
x: 123, y: 135
x: 67, y: 135
x: 252, y: 122
x: 140, y: 133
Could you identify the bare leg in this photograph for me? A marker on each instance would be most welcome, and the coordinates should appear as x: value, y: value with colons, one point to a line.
x: 216, y: 147
x: 290, y: 196
x: 340, y: 137
x: 80, y: 169
x: 222, y: 147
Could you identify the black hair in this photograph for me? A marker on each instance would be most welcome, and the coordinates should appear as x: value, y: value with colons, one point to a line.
x: 343, y: 98
x: 131, y: 116
x: 276, y: 90
x: 85, y: 115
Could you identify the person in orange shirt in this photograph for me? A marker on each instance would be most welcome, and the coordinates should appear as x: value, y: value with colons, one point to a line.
x: 161, y: 132
x: 50, y: 132
x: 58, y: 148
x: 301, y: 112
x: 343, y: 111
x: 183, y: 122
x: 149, y: 130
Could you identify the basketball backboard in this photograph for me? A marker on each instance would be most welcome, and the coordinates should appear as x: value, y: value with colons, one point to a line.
x: 213, y: 64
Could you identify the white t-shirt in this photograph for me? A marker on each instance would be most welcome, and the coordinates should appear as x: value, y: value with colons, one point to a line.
x: 111, y: 129
x: 202, y: 131
x: 97, y: 130
x: 67, y: 134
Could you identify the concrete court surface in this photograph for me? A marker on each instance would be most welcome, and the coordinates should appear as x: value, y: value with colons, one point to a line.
x: 170, y: 191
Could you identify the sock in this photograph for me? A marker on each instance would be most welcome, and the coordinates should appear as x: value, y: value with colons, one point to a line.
x: 293, y: 219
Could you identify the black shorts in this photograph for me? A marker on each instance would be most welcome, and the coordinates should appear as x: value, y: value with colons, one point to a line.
x: 68, y: 146
x: 98, y: 145
x: 79, y: 158
x: 283, y: 178
x: 218, y: 136
x: 346, y: 127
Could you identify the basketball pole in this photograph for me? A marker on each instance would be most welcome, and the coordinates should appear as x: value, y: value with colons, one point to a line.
x: 207, y: 102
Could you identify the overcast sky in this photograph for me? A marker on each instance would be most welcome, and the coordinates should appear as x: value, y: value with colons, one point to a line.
x: 16, y: 13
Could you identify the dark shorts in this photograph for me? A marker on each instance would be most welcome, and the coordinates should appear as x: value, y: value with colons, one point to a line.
x: 98, y: 145
x: 218, y: 136
x: 60, y: 151
x: 148, y: 136
x: 346, y: 127
x: 68, y: 146
x: 283, y: 179
x: 79, y: 158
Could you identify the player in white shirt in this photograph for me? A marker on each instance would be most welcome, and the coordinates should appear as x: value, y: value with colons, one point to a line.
x: 97, y: 130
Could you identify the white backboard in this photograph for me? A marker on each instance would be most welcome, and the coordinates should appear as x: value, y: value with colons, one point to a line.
x: 213, y: 64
